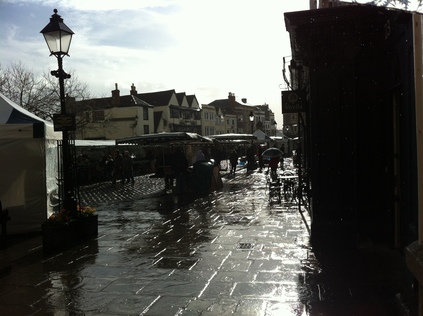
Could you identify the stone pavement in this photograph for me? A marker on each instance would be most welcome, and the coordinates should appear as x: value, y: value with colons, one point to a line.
x: 230, y: 253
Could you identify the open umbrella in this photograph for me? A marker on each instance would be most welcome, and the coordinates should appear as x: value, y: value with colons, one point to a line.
x: 272, y: 152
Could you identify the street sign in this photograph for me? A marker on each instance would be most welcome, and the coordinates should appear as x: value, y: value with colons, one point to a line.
x: 293, y: 101
x: 64, y: 122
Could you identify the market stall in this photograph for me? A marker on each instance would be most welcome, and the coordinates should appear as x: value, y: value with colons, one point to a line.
x: 28, y: 167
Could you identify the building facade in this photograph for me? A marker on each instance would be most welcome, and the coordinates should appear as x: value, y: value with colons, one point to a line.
x: 359, y: 137
x: 121, y: 116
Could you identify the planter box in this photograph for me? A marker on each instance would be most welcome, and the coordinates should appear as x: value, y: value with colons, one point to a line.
x: 62, y: 236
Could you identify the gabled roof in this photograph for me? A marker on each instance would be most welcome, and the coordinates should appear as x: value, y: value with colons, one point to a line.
x: 158, y: 98
x: 224, y: 105
x: 180, y: 96
x: 107, y: 103
x: 190, y: 99
x: 133, y: 100
x: 92, y: 104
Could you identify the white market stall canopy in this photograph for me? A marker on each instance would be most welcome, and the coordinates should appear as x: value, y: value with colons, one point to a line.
x: 171, y: 138
x: 94, y: 143
x: 233, y: 136
x: 28, y: 167
x: 17, y: 122
x: 261, y: 136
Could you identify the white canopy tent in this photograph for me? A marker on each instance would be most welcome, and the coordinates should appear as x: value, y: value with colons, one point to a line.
x: 261, y: 136
x: 28, y: 167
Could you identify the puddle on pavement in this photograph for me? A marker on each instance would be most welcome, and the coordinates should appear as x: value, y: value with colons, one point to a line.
x: 228, y: 245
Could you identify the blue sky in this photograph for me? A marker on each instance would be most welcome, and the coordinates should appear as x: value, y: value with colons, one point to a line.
x: 207, y: 48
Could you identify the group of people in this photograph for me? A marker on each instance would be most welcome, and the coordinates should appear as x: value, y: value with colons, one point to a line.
x: 119, y: 168
x: 273, y: 162
x: 176, y: 167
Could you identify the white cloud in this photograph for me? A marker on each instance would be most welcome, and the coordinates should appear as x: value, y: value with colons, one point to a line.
x: 206, y: 48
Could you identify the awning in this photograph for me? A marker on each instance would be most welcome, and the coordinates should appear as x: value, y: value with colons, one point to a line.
x: 94, y: 143
x: 170, y: 138
x: 233, y: 136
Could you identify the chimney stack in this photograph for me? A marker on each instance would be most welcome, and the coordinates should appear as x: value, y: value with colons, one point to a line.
x: 116, y: 96
x: 133, y: 90
x: 231, y: 98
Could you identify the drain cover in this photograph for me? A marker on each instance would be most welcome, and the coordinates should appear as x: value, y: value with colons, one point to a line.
x: 244, y: 246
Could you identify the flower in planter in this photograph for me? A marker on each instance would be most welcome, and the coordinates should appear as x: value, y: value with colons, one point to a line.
x: 65, y: 216
x: 85, y: 211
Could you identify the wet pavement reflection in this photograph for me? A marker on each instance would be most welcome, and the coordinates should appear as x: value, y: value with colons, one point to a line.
x: 229, y: 253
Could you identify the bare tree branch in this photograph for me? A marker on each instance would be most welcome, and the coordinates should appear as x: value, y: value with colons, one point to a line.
x: 38, y: 94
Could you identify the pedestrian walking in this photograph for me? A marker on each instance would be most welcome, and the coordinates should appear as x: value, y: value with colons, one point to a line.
x: 273, y: 166
x: 117, y: 172
x: 109, y: 167
x: 260, y: 158
x: 179, y: 165
x: 127, y: 168
x: 251, y: 164
x: 282, y: 157
x: 169, y: 175
x: 233, y: 159
x: 200, y: 156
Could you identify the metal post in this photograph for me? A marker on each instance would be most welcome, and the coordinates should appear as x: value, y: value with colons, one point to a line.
x: 299, y: 158
x: 69, y: 202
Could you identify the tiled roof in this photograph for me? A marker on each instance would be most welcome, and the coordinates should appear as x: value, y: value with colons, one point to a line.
x: 94, y: 104
x: 180, y: 97
x: 138, y: 101
x: 190, y: 99
x: 157, y: 98
x: 224, y: 106
x: 107, y: 103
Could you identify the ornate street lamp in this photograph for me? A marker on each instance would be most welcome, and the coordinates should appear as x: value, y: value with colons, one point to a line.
x: 58, y: 38
x: 251, y: 116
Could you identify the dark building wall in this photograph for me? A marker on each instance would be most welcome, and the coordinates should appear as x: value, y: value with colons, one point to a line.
x: 356, y: 135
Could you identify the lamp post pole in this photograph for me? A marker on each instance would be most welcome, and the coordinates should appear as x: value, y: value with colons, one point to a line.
x: 68, y: 187
x: 58, y: 38
x: 251, y: 116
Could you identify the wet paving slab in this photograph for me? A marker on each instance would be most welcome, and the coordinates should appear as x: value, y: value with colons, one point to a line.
x: 229, y: 253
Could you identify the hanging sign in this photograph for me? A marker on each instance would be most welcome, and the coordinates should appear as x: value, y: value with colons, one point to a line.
x: 293, y: 101
x: 64, y: 122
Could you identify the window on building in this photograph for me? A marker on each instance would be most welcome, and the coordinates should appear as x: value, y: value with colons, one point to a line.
x: 146, y: 129
x: 209, y: 116
x: 98, y: 116
x: 145, y: 113
x: 174, y: 113
x: 87, y: 116
x: 209, y: 130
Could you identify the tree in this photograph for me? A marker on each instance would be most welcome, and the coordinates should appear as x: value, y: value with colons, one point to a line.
x: 38, y: 94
